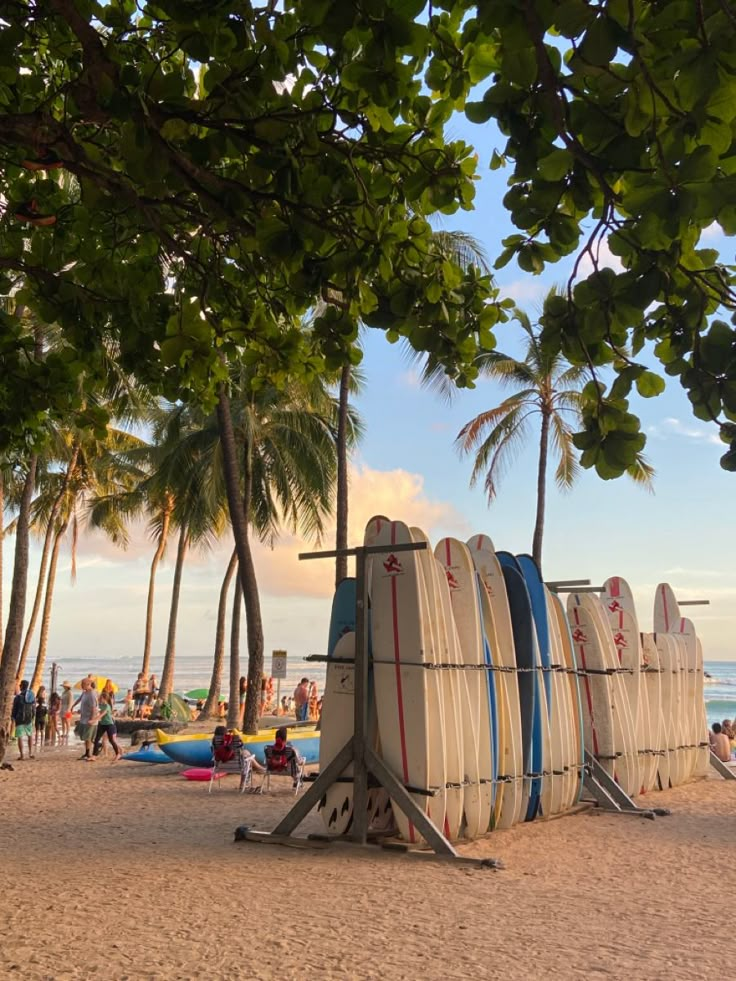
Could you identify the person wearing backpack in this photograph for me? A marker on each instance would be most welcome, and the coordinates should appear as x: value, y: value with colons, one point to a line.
x: 24, y: 706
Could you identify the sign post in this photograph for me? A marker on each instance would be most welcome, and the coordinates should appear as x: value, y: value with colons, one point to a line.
x: 278, y: 671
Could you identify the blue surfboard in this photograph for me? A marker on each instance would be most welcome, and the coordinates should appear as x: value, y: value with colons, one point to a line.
x: 530, y: 702
x: 535, y: 585
x: 342, y: 617
x: 492, y: 693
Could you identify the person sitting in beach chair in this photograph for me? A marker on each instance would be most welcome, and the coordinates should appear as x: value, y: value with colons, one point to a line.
x: 229, y: 755
x: 283, y: 760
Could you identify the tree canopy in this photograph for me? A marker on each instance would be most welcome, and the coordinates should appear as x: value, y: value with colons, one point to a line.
x: 235, y: 162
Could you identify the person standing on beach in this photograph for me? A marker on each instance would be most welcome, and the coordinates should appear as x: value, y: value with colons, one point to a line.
x: 140, y: 694
x: 54, y: 708
x: 88, y: 719
x: 40, y: 719
x: 67, y: 700
x: 106, y: 727
x: 301, y: 700
x: 24, y: 705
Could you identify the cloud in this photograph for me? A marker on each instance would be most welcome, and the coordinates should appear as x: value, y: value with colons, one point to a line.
x: 530, y: 290
x: 604, y: 258
x: 397, y: 494
x: 713, y: 230
x: 675, y: 427
x: 410, y: 378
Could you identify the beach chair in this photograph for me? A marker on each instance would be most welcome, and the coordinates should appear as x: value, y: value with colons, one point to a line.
x: 240, y: 763
x: 283, y: 763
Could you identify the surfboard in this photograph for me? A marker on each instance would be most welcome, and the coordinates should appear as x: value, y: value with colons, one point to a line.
x: 595, y: 685
x: 514, y: 800
x: 477, y: 686
x: 666, y: 609
x: 443, y: 650
x: 576, y: 713
x: 652, y: 678
x: 407, y: 695
x: 668, y: 683
x: 627, y: 764
x: 554, y: 765
x: 338, y: 725
x: 342, y: 615
x: 531, y: 692
x: 562, y: 710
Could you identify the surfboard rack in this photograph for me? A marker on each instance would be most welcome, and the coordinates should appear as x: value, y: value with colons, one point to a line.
x: 720, y: 767
x: 367, y: 766
x: 609, y: 796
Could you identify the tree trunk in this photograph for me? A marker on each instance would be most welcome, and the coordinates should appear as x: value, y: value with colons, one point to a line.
x: 167, y: 675
x: 157, y: 556
x: 43, y: 640
x: 209, y: 710
x: 239, y: 516
x: 17, y: 609
x: 541, y: 492
x: 233, y: 703
x: 48, y: 540
x: 341, y: 503
x: 2, y: 536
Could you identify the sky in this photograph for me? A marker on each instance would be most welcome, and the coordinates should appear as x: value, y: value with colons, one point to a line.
x: 407, y: 468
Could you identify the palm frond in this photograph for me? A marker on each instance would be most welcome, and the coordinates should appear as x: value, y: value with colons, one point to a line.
x: 568, y: 468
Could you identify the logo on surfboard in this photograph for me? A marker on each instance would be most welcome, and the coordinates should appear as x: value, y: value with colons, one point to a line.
x: 392, y: 565
x: 615, y: 607
x: 620, y: 640
x: 451, y: 579
x: 579, y: 636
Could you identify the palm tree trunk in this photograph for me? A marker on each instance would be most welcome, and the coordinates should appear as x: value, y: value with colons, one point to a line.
x: 17, y: 609
x: 47, y: 543
x: 239, y: 517
x: 2, y: 536
x: 233, y: 704
x: 209, y: 710
x: 157, y: 556
x: 541, y: 491
x: 341, y: 504
x: 167, y: 675
x: 43, y: 639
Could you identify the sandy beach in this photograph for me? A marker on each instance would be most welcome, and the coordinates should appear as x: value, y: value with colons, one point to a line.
x: 128, y: 871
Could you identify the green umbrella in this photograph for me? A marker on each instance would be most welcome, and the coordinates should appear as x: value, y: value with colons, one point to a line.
x: 197, y: 693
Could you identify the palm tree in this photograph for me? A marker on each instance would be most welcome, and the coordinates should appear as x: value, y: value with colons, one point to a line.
x: 209, y: 708
x: 276, y: 453
x: 93, y: 469
x: 548, y: 389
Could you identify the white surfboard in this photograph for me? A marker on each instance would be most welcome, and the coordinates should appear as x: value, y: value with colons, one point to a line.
x: 572, y: 681
x: 407, y: 696
x: 562, y: 749
x: 515, y: 799
x: 454, y: 559
x: 337, y: 727
x: 444, y: 652
x: 652, y: 672
x: 597, y: 697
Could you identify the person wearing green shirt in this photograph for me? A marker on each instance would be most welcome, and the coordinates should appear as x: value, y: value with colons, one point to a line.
x: 106, y: 727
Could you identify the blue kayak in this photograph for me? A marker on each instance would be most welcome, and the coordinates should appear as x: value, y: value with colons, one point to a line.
x: 151, y: 754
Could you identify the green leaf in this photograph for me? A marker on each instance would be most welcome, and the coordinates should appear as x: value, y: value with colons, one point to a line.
x: 599, y: 44
x: 648, y: 384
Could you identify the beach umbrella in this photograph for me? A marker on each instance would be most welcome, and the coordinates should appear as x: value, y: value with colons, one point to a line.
x: 197, y: 693
x: 99, y: 679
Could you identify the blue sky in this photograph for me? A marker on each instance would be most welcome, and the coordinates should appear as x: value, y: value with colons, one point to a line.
x: 407, y: 467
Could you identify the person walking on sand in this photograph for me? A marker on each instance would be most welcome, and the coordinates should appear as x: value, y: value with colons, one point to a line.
x: 106, y: 727
x: 24, y: 705
x: 40, y: 720
x: 88, y: 715
x: 301, y: 700
x: 67, y: 700
x: 54, y: 709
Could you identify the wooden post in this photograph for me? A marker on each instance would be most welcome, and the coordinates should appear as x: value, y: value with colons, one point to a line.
x: 360, y: 739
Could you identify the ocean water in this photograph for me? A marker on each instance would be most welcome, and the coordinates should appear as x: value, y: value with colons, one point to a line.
x: 190, y: 671
x: 720, y: 690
